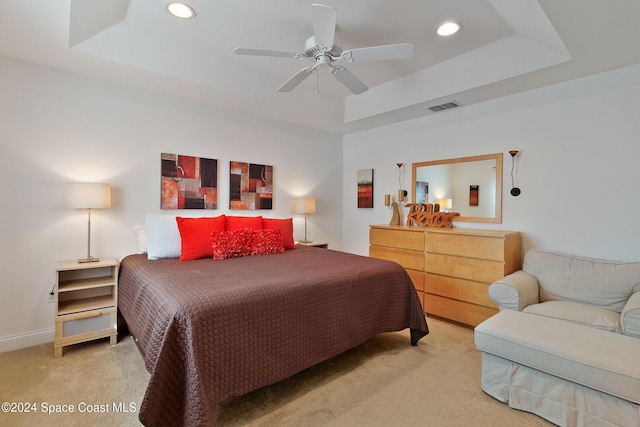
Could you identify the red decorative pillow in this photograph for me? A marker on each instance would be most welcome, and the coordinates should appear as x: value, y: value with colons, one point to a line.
x: 240, y: 222
x: 286, y: 228
x: 195, y: 235
x: 265, y: 242
x: 230, y: 244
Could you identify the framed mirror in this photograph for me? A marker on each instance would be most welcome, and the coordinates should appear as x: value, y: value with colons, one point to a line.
x: 471, y: 186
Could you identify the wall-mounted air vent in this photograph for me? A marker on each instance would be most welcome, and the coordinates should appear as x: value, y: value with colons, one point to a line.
x: 445, y: 106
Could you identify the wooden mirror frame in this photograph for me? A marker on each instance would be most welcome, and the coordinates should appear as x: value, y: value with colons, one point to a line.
x: 497, y: 218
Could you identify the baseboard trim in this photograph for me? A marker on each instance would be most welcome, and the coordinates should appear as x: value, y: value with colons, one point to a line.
x: 17, y: 342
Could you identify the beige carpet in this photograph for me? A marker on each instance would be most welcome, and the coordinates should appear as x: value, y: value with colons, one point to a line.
x: 384, y: 382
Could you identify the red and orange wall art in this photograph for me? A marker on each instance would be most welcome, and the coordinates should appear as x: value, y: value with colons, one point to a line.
x: 474, y: 194
x: 188, y: 182
x: 250, y: 186
x: 365, y: 188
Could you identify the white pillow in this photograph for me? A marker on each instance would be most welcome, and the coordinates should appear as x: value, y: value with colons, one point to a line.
x: 163, y: 237
x: 141, y: 237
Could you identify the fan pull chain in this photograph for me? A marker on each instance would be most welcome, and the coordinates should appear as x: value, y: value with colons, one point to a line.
x: 317, y: 82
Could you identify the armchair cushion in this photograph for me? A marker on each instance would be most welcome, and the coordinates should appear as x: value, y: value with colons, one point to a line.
x: 606, y: 284
x: 515, y: 291
x: 630, y: 318
x: 583, y: 314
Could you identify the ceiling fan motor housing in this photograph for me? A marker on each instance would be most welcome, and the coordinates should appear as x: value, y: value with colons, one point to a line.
x: 314, y: 50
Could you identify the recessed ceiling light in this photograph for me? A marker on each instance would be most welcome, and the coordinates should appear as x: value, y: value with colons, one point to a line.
x: 181, y: 10
x: 449, y: 28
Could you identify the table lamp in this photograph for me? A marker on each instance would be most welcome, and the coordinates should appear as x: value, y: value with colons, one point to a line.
x: 88, y: 195
x: 305, y: 205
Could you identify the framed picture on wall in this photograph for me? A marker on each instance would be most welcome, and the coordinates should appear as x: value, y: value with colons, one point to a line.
x: 473, y: 195
x: 422, y: 192
x: 365, y: 188
x: 188, y: 182
x: 250, y: 186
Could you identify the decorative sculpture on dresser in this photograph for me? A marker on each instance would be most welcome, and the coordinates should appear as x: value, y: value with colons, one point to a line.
x: 428, y: 215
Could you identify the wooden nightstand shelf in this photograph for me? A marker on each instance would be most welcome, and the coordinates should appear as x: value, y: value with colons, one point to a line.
x: 86, y: 302
x: 323, y: 245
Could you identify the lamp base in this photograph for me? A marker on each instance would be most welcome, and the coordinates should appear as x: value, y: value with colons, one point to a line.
x: 92, y: 259
x: 305, y: 241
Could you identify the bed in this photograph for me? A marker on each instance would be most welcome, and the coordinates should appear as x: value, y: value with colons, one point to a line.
x: 210, y: 330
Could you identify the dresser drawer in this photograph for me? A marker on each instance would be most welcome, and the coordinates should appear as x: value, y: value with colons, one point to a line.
x: 417, y: 277
x: 413, y: 260
x: 483, y: 247
x: 459, y: 311
x: 479, y: 270
x: 460, y: 289
x: 413, y: 240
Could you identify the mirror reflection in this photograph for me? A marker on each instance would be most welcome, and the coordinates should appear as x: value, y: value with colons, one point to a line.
x: 471, y: 186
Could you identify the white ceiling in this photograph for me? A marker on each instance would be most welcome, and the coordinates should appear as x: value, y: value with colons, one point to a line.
x: 505, y: 47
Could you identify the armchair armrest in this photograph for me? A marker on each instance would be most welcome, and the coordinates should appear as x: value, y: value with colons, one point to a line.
x: 515, y: 291
x: 630, y: 316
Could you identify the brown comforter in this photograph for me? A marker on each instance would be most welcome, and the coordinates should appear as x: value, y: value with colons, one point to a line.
x: 212, y: 330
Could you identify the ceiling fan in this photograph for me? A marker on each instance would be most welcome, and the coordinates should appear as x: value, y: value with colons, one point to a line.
x: 321, y: 50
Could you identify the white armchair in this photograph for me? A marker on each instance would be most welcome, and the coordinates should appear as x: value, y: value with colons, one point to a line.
x: 598, y: 293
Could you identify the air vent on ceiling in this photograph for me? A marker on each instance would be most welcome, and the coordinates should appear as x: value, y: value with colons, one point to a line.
x: 445, y: 106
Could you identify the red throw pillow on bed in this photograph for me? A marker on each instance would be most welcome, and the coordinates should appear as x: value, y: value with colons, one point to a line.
x: 286, y: 228
x: 195, y: 236
x: 264, y: 242
x: 239, y: 222
x: 230, y: 244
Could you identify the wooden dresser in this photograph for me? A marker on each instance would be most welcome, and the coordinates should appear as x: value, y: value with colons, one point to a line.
x: 451, y: 268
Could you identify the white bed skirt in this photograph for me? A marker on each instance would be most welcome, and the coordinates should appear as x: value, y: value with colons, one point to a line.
x: 557, y: 400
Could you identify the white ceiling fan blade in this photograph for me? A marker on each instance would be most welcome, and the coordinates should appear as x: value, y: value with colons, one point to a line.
x: 345, y: 77
x: 296, y: 79
x: 378, y: 53
x: 260, y: 52
x: 324, y: 24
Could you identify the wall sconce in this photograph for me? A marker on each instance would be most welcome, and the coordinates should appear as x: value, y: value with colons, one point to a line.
x: 515, y: 191
x: 88, y: 195
x: 304, y: 205
x: 402, y: 194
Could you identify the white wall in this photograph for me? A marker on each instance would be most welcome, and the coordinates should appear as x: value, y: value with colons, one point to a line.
x: 578, y: 169
x: 59, y: 127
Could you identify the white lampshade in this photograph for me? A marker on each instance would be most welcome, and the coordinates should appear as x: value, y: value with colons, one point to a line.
x: 88, y: 195
x: 304, y: 205
x: 444, y: 203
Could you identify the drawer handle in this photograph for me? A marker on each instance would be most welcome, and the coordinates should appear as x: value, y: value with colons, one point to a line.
x: 88, y: 315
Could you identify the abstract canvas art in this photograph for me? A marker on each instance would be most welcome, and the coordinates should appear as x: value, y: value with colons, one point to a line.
x: 188, y: 182
x: 365, y: 188
x: 474, y: 193
x: 250, y: 186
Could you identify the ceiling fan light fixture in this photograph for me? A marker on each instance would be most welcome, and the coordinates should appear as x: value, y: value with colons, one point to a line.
x: 180, y: 10
x: 449, y: 28
x: 323, y: 51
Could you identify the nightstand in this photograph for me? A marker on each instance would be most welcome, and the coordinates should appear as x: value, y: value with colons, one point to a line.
x: 323, y: 245
x: 86, y: 302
